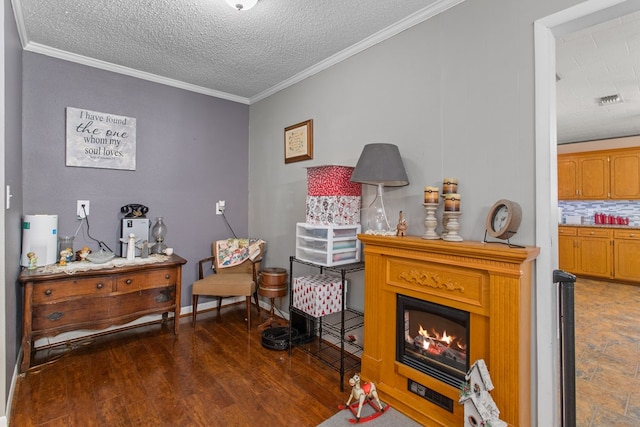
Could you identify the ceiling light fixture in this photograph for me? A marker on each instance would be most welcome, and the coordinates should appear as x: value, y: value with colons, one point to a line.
x: 611, y: 99
x: 241, y: 4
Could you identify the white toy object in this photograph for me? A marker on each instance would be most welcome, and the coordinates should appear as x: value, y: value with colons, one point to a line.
x: 479, y: 407
x: 131, y: 246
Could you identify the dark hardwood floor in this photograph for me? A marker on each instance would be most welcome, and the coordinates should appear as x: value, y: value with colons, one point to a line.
x: 214, y: 375
x: 218, y: 375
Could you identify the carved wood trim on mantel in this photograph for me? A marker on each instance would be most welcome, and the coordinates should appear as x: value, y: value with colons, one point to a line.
x: 490, y: 281
x: 495, y: 257
x: 431, y: 279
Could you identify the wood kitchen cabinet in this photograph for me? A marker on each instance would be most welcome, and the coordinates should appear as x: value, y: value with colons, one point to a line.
x: 567, y: 244
x: 627, y: 255
x: 583, y: 176
x: 594, y: 252
x: 586, y: 251
x: 568, y: 186
x: 94, y: 299
x: 610, y: 253
x: 599, y: 175
x: 625, y: 174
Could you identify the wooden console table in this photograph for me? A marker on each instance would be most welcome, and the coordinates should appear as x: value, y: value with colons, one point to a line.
x: 96, y: 299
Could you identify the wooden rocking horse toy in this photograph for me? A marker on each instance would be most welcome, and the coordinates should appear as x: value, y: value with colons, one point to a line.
x: 359, y: 393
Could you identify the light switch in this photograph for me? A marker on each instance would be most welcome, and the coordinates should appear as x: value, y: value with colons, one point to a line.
x: 8, y: 196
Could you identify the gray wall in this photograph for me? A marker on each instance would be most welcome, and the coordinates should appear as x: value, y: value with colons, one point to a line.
x: 192, y: 150
x: 456, y: 94
x: 12, y: 177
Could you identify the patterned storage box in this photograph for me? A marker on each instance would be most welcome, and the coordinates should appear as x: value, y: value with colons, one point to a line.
x: 318, y: 295
x: 332, y: 199
x: 333, y: 210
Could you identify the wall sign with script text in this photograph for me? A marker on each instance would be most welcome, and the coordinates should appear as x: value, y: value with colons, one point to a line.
x: 100, y: 140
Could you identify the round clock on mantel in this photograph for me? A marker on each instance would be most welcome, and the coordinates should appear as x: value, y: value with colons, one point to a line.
x: 504, y: 219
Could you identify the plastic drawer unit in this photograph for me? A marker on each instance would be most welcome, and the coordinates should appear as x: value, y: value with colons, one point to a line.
x: 327, y: 245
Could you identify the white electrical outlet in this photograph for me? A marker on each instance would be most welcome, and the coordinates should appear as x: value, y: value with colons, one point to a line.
x: 220, y: 207
x: 80, y: 211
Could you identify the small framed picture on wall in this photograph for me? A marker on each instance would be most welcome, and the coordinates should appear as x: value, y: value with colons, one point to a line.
x: 298, y: 142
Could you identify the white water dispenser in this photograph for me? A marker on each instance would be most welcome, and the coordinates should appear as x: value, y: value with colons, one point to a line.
x: 40, y: 236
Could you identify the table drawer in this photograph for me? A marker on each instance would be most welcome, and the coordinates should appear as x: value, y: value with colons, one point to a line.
x: 146, y: 280
x: 144, y: 302
x: 567, y: 231
x: 46, y: 292
x: 627, y: 234
x: 99, y: 313
x: 74, y: 312
x: 594, y: 232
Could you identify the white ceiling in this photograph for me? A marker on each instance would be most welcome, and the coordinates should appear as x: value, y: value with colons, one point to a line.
x: 208, y: 47
x: 598, y: 61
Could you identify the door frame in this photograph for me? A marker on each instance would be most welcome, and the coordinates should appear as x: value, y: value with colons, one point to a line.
x: 547, y: 375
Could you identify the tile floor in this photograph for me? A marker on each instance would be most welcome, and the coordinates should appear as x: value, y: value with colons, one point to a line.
x: 607, y: 333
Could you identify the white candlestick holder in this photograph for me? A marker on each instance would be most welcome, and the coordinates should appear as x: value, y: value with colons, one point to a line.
x: 452, y: 226
x: 431, y: 222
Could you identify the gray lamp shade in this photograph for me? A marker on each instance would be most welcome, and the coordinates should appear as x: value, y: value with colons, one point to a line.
x: 380, y: 164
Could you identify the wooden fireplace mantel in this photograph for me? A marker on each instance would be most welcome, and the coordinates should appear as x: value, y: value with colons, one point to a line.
x: 490, y: 281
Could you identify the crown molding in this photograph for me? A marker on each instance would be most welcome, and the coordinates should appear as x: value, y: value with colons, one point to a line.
x: 422, y: 15
x: 416, y: 18
x: 108, y: 66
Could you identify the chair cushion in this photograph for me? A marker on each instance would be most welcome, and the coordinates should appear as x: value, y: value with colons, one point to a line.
x: 232, y: 284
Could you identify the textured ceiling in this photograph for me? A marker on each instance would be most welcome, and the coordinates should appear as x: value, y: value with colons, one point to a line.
x: 207, y: 45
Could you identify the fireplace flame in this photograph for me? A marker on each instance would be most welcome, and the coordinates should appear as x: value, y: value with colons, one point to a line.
x: 423, y: 333
x: 435, y: 342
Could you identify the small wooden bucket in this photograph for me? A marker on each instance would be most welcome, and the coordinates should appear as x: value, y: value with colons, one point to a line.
x: 273, y: 282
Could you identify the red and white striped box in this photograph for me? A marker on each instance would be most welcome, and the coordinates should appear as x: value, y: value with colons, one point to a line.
x: 332, y: 199
x: 317, y: 295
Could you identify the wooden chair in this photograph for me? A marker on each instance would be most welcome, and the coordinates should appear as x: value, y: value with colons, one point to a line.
x: 236, y: 280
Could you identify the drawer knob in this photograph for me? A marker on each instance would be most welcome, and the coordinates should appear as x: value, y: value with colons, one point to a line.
x: 167, y: 276
x: 129, y: 281
x: 100, y: 285
x: 632, y: 235
x: 48, y: 292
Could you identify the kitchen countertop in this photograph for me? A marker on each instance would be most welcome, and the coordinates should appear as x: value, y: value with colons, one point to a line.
x: 615, y: 226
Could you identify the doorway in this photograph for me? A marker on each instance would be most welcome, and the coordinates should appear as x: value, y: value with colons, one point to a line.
x: 580, y: 16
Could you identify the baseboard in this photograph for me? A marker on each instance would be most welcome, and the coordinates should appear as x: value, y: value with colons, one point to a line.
x: 4, y: 421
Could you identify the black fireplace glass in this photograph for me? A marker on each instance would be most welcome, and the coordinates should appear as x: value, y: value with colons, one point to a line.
x: 433, y: 339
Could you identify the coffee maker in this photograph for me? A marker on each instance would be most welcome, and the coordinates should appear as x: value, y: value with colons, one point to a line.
x: 136, y: 222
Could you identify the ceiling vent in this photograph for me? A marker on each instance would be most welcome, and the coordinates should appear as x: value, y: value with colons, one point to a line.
x: 611, y: 99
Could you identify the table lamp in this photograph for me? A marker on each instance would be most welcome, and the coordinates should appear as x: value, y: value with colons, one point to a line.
x: 381, y: 165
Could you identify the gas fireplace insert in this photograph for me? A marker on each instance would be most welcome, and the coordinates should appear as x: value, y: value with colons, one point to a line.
x: 433, y: 339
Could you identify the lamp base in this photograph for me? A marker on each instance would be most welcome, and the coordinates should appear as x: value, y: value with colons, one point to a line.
x: 374, y: 217
x: 381, y: 232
